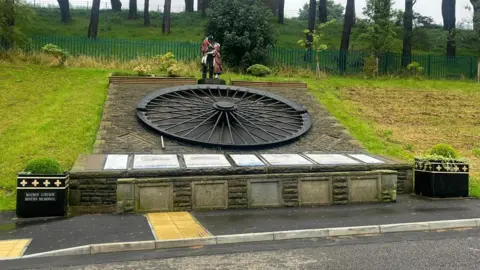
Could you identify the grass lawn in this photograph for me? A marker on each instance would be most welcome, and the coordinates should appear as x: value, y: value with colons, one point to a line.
x: 46, y: 112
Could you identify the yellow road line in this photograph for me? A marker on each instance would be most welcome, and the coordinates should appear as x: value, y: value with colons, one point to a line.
x: 175, y: 225
x: 13, y: 248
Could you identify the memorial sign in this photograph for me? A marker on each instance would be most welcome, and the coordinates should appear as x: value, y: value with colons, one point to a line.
x: 155, y: 161
x: 331, y: 159
x: 286, y: 159
x: 366, y: 159
x: 206, y: 161
x: 41, y: 195
x: 247, y: 160
x: 116, y: 162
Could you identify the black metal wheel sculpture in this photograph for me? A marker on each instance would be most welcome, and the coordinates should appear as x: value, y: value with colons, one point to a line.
x: 226, y: 116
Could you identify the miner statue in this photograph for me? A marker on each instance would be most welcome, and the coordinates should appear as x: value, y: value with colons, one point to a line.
x: 211, y: 62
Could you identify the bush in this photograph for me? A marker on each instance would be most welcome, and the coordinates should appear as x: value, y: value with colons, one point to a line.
x: 175, y: 71
x: 416, y: 68
x: 259, y: 70
x: 370, y: 66
x: 444, y: 150
x: 43, y: 166
x: 57, y: 52
x: 244, y: 30
x: 142, y: 70
x: 165, y: 61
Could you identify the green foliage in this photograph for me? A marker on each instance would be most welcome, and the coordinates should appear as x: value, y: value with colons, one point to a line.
x: 335, y: 11
x: 370, y: 66
x: 56, y: 52
x: 416, y: 68
x: 244, y: 30
x: 142, y: 70
x: 43, y: 166
x: 378, y: 29
x: 165, y: 61
x: 12, y: 12
x: 444, y: 150
x: 476, y: 152
x: 259, y: 70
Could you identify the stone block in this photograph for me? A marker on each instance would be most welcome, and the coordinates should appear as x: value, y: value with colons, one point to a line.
x: 154, y: 197
x: 404, y: 227
x: 364, y: 189
x: 263, y: 194
x: 299, y: 234
x: 346, y: 231
x: 452, y: 224
x: 210, y: 195
x: 315, y: 192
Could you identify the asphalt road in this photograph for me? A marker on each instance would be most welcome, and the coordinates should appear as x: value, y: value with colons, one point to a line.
x: 438, y: 250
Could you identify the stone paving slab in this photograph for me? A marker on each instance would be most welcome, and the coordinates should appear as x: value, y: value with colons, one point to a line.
x: 78, y: 231
x: 407, y: 209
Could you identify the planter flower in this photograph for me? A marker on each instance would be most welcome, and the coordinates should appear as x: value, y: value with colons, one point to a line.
x: 42, y: 189
x: 441, y: 174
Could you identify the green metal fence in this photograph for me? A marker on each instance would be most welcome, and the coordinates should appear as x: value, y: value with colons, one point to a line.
x: 333, y: 62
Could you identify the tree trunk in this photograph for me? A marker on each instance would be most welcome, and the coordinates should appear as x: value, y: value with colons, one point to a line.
x: 146, y: 14
x: 205, y: 5
x: 94, y: 16
x: 7, y: 40
x: 199, y: 5
x: 281, y: 11
x: 476, y: 15
x: 322, y: 11
x: 407, y: 33
x: 272, y: 5
x: 116, y: 5
x: 348, y: 23
x: 312, y: 10
x: 189, y: 5
x: 132, y: 10
x: 166, y: 17
x: 449, y: 20
x: 64, y: 10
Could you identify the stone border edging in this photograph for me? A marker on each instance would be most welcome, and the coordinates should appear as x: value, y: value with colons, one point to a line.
x: 265, y: 236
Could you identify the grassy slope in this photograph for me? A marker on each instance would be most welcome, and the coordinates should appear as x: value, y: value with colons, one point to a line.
x: 46, y: 111
x: 190, y: 27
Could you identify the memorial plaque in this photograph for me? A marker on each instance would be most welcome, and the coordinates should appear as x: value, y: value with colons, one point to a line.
x: 116, y: 162
x: 333, y: 159
x: 210, y: 195
x: 247, y: 160
x: 155, y: 197
x: 286, y: 159
x: 366, y: 159
x: 364, y: 190
x: 206, y: 161
x: 264, y: 194
x: 155, y: 161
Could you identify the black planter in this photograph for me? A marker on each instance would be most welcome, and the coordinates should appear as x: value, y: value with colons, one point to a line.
x: 42, y: 195
x: 440, y: 180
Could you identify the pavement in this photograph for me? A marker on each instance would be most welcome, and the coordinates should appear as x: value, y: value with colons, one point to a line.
x: 43, y: 235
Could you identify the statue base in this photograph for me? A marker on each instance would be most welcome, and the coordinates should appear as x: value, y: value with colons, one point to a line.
x: 212, y: 81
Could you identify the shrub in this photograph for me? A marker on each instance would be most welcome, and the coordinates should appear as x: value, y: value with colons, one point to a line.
x: 259, y: 70
x: 244, y: 30
x: 370, y: 66
x: 175, y: 71
x: 142, y: 70
x: 43, y: 166
x: 416, y: 68
x: 57, y: 52
x: 165, y: 61
x: 444, y: 150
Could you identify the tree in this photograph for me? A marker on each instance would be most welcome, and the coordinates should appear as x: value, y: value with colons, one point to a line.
x: 146, y: 14
x: 189, y: 5
x: 449, y: 20
x: 476, y: 15
x: 11, y: 11
x: 132, y: 10
x: 317, y: 44
x: 244, y: 30
x: 64, y: 10
x: 348, y: 23
x: 407, y: 33
x: 335, y: 11
x: 205, y: 5
x: 116, y: 5
x: 94, y: 17
x: 379, y: 33
x: 311, y: 22
x: 272, y: 5
x: 281, y: 11
x: 166, y: 17
x: 322, y: 11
